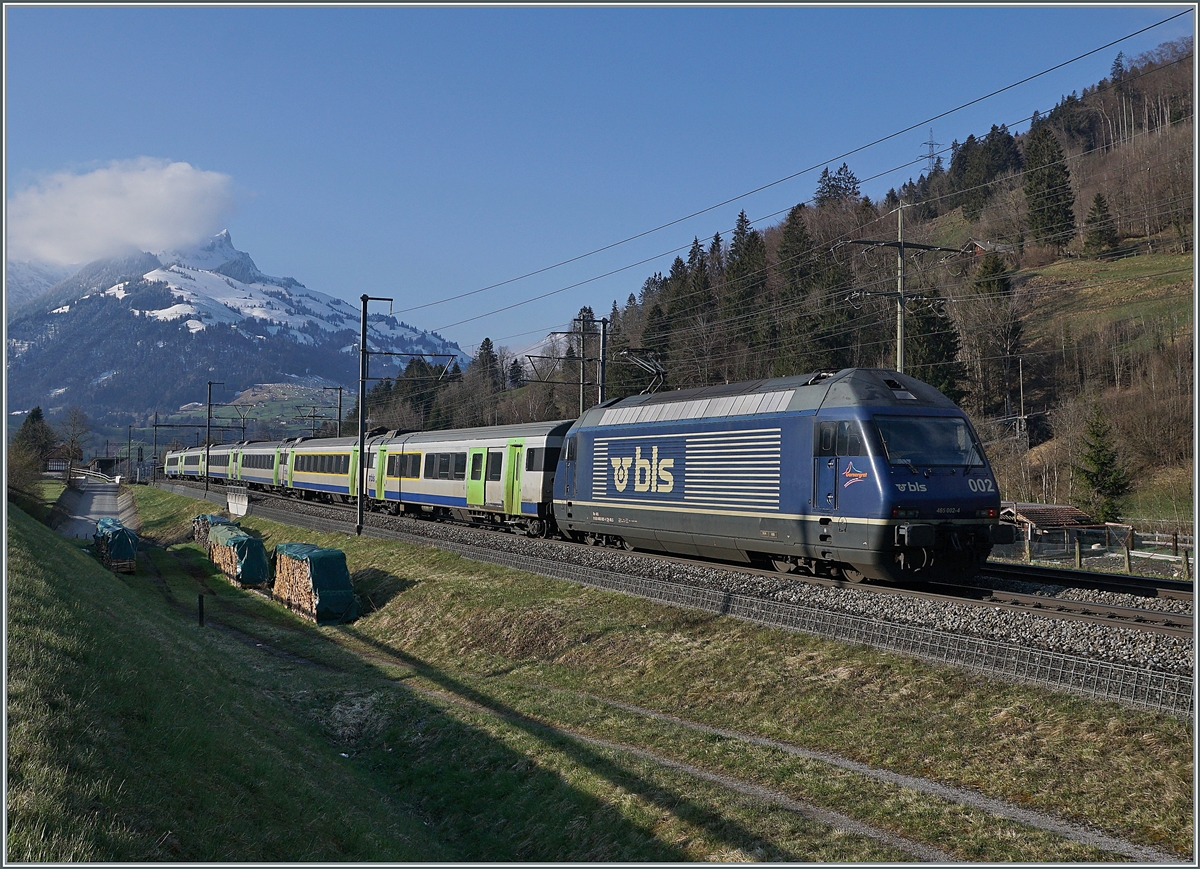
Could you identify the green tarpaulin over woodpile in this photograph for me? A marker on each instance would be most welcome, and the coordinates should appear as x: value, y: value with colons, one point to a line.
x: 202, y: 523
x: 330, y: 580
x: 253, y: 568
x: 213, y: 519
x: 115, y: 539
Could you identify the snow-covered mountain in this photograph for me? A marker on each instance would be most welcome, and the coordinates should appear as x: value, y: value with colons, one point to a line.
x: 24, y: 281
x: 133, y: 332
x: 217, y: 283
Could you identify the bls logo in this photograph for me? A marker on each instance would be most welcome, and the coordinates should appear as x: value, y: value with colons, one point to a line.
x: 649, y: 475
x: 911, y: 487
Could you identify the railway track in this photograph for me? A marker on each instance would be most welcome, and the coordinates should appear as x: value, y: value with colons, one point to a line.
x: 980, y: 594
x: 1118, y: 583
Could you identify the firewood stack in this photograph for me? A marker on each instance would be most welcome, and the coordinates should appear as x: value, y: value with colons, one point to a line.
x: 294, y: 585
x: 225, y: 557
x: 242, y: 558
x: 314, y: 583
x: 203, y: 523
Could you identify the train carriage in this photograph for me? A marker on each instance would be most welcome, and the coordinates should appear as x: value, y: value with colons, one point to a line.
x: 862, y: 473
x: 500, y: 475
x: 185, y: 463
x: 221, y: 461
x: 327, y: 466
x: 265, y: 464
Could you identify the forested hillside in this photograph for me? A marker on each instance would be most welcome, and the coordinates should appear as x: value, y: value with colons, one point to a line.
x: 1057, y: 310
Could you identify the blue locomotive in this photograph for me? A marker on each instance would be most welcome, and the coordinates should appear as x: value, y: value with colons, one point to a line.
x: 863, y: 473
x: 866, y: 473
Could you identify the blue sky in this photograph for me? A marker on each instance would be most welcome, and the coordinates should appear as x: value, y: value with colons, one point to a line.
x: 423, y: 153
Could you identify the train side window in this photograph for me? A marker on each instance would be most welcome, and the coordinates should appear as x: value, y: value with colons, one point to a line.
x: 431, y: 466
x: 571, y: 449
x: 414, y: 466
x: 460, y: 466
x: 495, y: 463
x: 532, y: 457
x: 849, y: 439
x: 443, y: 466
x: 826, y: 441
x: 477, y: 466
x: 344, y: 464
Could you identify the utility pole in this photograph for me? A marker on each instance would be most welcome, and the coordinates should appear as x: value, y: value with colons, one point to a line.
x: 363, y: 376
x: 582, y: 364
x: 603, y: 359
x: 339, y: 416
x: 900, y: 289
x: 208, y: 431
x: 901, y: 245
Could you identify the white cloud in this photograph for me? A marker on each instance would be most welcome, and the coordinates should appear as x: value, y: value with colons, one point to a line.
x: 143, y: 204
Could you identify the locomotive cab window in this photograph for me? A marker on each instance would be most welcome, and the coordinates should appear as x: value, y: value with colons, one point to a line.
x: 841, y: 438
x: 571, y: 449
x: 929, y: 441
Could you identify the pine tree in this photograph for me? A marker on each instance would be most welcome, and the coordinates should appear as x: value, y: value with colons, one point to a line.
x: 1102, y: 470
x: 838, y: 187
x: 1100, y: 233
x: 516, y: 374
x: 488, y: 363
x: 35, y: 435
x: 1048, y: 191
x: 797, y: 254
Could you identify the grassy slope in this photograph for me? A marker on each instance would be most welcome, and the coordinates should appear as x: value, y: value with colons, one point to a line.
x: 511, y: 641
x: 1074, y: 297
x: 1083, y: 295
x: 134, y: 736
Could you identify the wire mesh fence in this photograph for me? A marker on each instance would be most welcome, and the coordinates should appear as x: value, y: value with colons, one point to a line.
x: 1125, y: 684
x: 1106, y: 548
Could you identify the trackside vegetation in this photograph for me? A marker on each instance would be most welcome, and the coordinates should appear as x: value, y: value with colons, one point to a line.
x: 478, y: 713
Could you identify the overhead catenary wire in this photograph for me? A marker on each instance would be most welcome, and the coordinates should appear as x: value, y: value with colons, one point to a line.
x: 1163, y: 207
x: 1009, y: 178
x: 813, y: 168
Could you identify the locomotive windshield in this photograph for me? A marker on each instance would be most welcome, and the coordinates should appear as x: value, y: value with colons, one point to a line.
x: 928, y: 441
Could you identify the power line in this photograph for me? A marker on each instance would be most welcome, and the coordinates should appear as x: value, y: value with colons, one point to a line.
x: 814, y: 167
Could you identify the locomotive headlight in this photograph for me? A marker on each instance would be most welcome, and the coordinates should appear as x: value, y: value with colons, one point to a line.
x: 989, y: 513
x: 905, y: 512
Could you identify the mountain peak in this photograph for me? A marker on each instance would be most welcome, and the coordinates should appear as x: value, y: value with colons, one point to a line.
x: 209, y: 255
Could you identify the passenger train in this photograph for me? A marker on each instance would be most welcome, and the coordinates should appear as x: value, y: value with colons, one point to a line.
x: 858, y: 474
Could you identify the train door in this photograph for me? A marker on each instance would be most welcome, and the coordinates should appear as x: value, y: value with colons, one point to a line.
x: 825, y: 470
x: 514, y: 462
x: 837, y: 446
x: 381, y: 465
x: 476, y: 459
x: 570, y: 460
x: 494, y: 478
